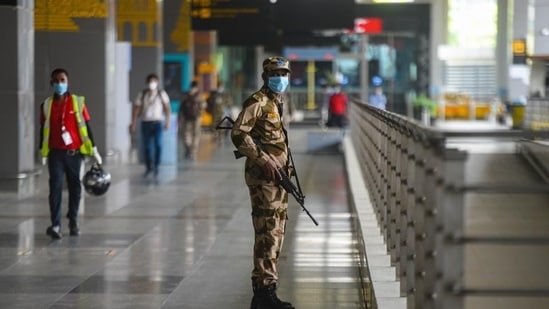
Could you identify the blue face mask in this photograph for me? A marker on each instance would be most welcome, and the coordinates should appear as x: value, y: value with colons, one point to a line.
x: 60, y: 88
x: 278, y: 84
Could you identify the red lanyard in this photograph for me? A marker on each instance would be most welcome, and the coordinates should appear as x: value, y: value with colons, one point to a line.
x: 63, y: 113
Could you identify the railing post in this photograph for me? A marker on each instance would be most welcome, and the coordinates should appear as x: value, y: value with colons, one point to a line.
x: 397, y: 194
x: 383, y: 178
x: 392, y: 213
x: 407, y: 175
x: 411, y: 224
x: 451, y: 263
x: 434, y: 174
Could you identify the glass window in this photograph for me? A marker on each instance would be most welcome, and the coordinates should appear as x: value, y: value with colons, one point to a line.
x: 472, y: 23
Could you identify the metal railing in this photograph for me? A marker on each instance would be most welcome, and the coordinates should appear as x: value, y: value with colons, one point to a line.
x: 417, y: 186
x: 537, y: 114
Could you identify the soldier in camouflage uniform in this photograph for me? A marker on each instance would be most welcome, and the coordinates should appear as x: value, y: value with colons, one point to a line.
x: 258, y: 134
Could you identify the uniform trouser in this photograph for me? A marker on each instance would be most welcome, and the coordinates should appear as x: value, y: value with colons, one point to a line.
x: 61, y: 163
x: 191, y: 137
x: 152, y: 138
x: 269, y: 215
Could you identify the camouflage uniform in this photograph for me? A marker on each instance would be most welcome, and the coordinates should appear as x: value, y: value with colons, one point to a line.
x: 260, y: 120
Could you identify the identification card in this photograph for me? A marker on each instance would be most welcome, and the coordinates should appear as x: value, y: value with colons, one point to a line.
x: 67, y: 139
x: 150, y: 113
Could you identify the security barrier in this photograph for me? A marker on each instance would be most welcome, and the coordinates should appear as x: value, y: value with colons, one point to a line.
x: 417, y: 187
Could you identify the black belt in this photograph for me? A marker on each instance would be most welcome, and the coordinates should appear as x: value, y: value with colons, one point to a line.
x: 69, y: 152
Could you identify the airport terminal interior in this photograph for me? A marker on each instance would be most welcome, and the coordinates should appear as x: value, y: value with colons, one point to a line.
x: 432, y: 191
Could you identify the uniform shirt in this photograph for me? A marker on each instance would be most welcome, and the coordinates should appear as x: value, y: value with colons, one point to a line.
x: 260, y: 120
x: 152, y: 103
x: 60, y: 106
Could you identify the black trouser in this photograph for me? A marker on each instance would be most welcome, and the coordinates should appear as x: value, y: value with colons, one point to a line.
x: 68, y: 163
x: 337, y: 120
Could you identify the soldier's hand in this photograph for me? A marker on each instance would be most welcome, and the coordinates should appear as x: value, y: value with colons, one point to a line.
x: 269, y: 170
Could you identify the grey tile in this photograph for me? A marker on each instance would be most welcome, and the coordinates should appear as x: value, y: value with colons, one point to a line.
x: 108, y: 300
x: 34, y: 300
x: 37, y: 284
x: 129, y: 285
x: 182, y: 242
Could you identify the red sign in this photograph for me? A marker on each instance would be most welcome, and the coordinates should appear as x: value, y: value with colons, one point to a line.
x: 368, y: 25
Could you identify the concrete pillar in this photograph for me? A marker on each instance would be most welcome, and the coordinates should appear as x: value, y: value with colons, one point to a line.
x: 439, y: 36
x: 79, y: 37
x: 17, y: 120
x: 503, y: 48
x: 178, y: 48
x: 141, y: 25
x: 119, y: 141
x: 140, y: 22
x: 364, y: 78
x: 519, y: 73
x: 540, y: 35
x: 541, y: 28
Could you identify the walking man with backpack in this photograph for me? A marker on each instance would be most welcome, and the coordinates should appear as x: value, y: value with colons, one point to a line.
x: 152, y: 106
x: 190, y: 120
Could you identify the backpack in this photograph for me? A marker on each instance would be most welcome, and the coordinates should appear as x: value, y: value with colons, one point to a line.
x: 191, y: 107
x: 211, y: 102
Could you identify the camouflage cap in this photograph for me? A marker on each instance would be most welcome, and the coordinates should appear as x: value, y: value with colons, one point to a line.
x: 276, y: 63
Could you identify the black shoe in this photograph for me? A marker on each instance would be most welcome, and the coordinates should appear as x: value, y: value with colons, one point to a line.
x: 266, y: 298
x: 54, y: 232
x: 74, y: 229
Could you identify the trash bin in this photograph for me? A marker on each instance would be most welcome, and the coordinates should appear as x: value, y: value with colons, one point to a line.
x: 517, y: 114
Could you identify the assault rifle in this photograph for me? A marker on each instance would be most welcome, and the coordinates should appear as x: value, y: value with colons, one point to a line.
x: 283, y: 178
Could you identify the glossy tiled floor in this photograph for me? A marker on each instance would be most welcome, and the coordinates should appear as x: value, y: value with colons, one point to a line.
x: 183, y: 241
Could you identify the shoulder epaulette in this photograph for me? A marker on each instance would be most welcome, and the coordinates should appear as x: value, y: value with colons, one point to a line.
x: 259, y: 96
x: 254, y: 98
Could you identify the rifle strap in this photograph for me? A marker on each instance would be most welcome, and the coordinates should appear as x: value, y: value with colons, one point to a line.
x: 290, y: 160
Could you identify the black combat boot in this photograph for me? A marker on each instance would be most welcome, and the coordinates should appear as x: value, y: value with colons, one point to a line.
x: 266, y: 298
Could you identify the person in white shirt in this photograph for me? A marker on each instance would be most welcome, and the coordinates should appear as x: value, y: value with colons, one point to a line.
x: 152, y: 106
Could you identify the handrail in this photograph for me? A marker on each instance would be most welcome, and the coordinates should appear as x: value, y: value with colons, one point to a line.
x: 417, y: 186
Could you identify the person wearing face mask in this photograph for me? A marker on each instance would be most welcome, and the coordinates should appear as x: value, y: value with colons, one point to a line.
x: 65, y: 137
x: 190, y: 120
x: 258, y: 133
x: 152, y: 106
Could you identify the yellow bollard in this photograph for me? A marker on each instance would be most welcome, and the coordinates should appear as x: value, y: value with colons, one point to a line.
x: 311, y: 69
x: 517, y: 114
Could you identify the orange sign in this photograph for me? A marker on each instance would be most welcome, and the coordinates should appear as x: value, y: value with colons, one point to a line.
x: 519, y: 47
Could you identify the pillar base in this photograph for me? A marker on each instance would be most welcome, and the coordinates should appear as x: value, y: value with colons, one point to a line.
x: 22, y: 186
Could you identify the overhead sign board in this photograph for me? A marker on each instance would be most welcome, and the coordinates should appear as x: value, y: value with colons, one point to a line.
x: 219, y: 14
x: 272, y: 15
x: 307, y: 54
x: 369, y: 25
